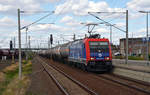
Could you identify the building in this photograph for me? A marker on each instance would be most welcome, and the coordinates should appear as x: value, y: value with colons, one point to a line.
x: 137, y: 46
x: 115, y: 49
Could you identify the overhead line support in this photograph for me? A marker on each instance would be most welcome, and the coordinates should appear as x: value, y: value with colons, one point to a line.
x: 106, y: 22
x: 37, y: 20
x: 125, y: 31
x: 19, y: 42
x: 126, y: 36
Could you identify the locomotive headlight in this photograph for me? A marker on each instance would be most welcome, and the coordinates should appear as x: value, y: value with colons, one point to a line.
x: 92, y: 58
x: 106, y: 58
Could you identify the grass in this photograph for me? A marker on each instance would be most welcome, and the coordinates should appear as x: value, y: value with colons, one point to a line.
x: 8, y: 74
x: 118, y: 57
x: 1, y: 76
x: 27, y: 68
x: 129, y: 57
x: 135, y: 58
x: 11, y: 85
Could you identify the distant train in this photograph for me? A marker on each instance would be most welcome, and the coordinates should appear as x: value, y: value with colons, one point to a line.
x: 92, y: 54
x: 8, y: 53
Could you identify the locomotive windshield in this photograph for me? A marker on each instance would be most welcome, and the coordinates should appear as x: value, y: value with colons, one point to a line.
x: 99, y: 47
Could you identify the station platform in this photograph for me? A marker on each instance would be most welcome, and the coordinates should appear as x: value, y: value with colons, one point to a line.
x: 138, y: 70
x: 132, y: 64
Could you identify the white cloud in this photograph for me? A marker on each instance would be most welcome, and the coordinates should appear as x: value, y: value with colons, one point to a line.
x: 66, y: 19
x: 120, y: 24
x: 140, y: 33
x: 82, y: 7
x: 139, y: 5
x: 77, y: 7
x: 10, y: 6
x: 51, y: 1
x: 102, y: 30
x: 70, y: 21
x: 7, y: 22
x: 71, y: 24
x: 99, y: 6
x: 48, y: 27
x: 4, y: 8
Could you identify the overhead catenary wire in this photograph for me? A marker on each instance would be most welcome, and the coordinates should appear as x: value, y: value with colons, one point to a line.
x: 106, y: 22
x: 61, y: 11
x: 111, y: 13
x: 33, y: 12
x: 38, y: 20
x: 113, y: 19
x: 116, y: 4
x: 43, y: 12
x: 35, y: 22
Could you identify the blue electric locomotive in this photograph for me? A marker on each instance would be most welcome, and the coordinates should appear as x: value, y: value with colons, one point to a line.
x: 92, y: 54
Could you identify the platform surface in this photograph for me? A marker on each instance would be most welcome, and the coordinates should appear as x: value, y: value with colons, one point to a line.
x: 132, y: 64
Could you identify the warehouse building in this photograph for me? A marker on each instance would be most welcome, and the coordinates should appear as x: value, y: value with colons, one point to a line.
x: 137, y: 46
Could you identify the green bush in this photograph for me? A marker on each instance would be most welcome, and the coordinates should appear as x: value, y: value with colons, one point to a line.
x: 130, y: 57
x: 30, y: 55
x: 118, y: 57
x: 149, y: 56
x: 135, y: 58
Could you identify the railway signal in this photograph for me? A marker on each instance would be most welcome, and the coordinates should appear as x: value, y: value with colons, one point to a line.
x: 12, y: 51
x: 51, y: 39
x: 74, y: 37
x: 11, y: 45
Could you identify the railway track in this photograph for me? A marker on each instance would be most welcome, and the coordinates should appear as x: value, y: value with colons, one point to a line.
x: 63, y: 89
x: 115, y: 81
x: 128, y: 82
x: 54, y: 79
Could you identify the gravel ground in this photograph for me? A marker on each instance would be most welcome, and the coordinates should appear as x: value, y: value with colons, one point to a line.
x: 100, y: 86
x: 4, y: 64
x: 71, y: 87
x: 41, y: 83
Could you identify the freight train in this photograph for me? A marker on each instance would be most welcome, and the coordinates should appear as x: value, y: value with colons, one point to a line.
x: 8, y: 53
x: 91, y: 54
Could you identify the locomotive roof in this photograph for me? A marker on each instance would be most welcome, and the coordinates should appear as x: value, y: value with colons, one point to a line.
x: 77, y: 40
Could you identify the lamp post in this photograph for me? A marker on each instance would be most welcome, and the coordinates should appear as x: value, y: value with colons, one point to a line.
x: 147, y: 50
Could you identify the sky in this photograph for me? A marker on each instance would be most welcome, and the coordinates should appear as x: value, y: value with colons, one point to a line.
x: 67, y: 18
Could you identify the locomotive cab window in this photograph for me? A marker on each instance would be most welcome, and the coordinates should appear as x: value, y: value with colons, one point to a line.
x: 83, y: 45
x: 99, y: 47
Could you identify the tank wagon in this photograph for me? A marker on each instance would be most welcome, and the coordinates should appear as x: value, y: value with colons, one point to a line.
x: 92, y: 54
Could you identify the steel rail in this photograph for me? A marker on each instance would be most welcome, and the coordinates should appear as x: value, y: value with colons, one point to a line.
x: 132, y: 80
x: 75, y: 81
x: 124, y: 84
x: 55, y: 80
